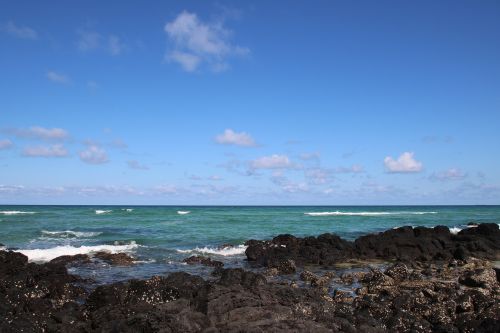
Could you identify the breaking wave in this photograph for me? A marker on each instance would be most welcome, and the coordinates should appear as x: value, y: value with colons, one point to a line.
x: 71, y: 233
x: 14, y: 212
x: 225, y: 251
x: 99, y: 211
x: 337, y: 213
x: 44, y: 255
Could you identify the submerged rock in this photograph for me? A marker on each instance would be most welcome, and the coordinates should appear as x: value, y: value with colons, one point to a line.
x: 201, y: 260
x: 120, y: 259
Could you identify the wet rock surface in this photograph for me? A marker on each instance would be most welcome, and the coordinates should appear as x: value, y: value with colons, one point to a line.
x: 447, y: 295
x: 120, y: 259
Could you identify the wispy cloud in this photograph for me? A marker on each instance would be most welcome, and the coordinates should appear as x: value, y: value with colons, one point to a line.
x: 40, y: 133
x: 271, y: 162
x: 20, y: 31
x: 57, y: 150
x: 405, y: 163
x: 287, y: 185
x: 355, y: 168
x: 318, y: 176
x: 57, y: 77
x: 310, y: 156
x: 94, y: 154
x: 194, y: 42
x: 448, y: 175
x: 5, y: 144
x: 92, y: 40
x: 230, y: 137
x: 136, y: 165
x: 115, y: 45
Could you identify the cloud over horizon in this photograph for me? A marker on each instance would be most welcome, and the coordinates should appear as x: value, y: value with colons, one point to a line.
x: 405, y: 163
x: 57, y: 150
x: 39, y: 133
x: 5, y: 144
x: 230, y: 137
x: 93, y: 154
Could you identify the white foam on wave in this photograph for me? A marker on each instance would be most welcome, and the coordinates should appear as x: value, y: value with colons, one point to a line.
x: 14, y: 212
x: 43, y: 255
x: 99, y: 211
x: 71, y: 233
x: 337, y: 213
x: 128, y: 210
x: 225, y: 251
x: 455, y: 230
x: 183, y: 212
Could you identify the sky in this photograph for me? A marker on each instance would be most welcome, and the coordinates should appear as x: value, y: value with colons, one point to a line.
x: 250, y: 102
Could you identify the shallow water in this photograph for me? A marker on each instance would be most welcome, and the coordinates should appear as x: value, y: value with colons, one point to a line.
x: 159, y: 237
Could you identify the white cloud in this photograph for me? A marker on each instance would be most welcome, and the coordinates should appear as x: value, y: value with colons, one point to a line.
x: 20, y: 32
x: 195, y: 42
x: 94, y: 154
x: 133, y: 164
x: 230, y: 137
x: 38, y: 132
x: 57, y: 77
x: 271, y: 162
x: 189, y: 62
x: 5, y: 144
x: 447, y: 175
x: 56, y: 150
x: 404, y: 164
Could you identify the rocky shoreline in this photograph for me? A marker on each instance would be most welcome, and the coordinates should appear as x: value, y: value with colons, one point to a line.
x: 436, y: 282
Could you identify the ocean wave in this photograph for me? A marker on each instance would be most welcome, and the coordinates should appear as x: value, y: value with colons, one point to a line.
x: 337, y: 213
x: 225, y: 251
x: 43, y: 255
x: 71, y: 233
x: 183, y: 212
x: 455, y: 230
x: 15, y: 212
x: 99, y: 211
x: 128, y: 210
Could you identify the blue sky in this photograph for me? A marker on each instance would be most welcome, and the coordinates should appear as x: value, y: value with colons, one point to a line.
x: 191, y: 102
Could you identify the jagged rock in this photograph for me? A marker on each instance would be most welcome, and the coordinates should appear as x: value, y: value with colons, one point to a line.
x: 201, y: 260
x: 483, y: 278
x: 286, y: 266
x: 120, y: 259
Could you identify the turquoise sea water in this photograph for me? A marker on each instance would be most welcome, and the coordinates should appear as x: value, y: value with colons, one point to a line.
x: 159, y: 237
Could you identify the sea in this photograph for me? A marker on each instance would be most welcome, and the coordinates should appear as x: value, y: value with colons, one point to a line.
x: 160, y: 237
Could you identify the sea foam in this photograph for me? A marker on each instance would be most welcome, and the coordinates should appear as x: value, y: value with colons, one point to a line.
x: 71, y: 233
x: 225, y: 251
x: 337, y: 213
x: 14, y: 212
x: 43, y: 255
x: 455, y: 230
x: 183, y: 212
